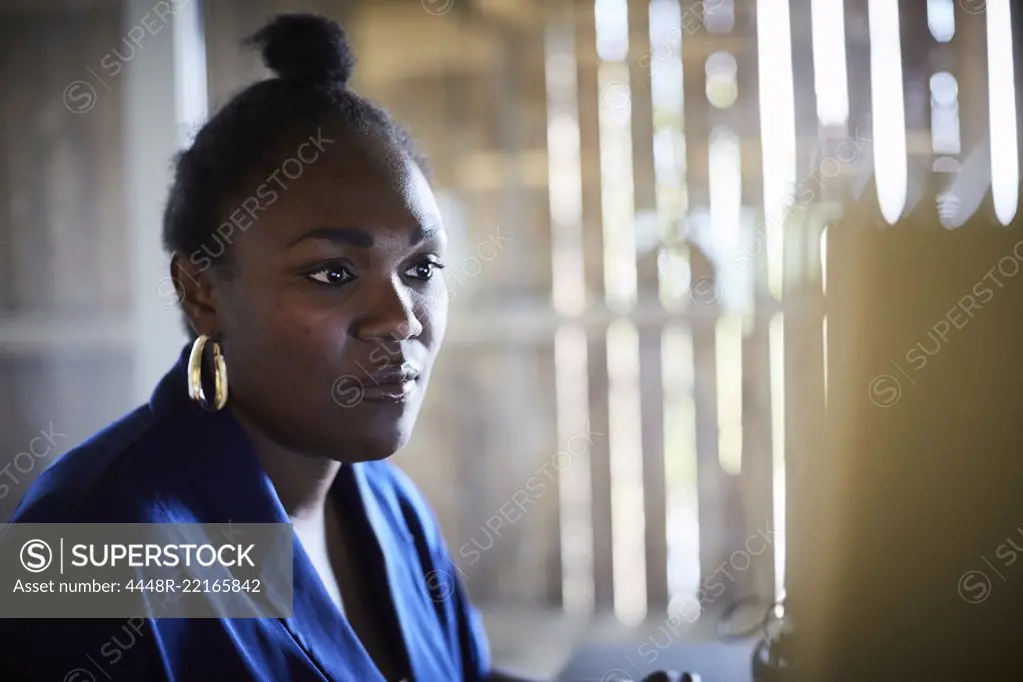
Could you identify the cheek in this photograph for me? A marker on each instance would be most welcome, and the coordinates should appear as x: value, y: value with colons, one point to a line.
x: 292, y: 353
x: 319, y: 335
x: 434, y: 315
x: 255, y: 318
x: 262, y: 324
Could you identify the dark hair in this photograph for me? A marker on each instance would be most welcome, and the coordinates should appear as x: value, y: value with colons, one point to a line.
x: 313, y: 61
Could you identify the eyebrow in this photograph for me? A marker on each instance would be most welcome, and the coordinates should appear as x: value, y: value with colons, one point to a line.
x: 359, y: 237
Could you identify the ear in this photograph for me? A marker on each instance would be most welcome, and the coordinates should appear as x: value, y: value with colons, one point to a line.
x: 195, y: 286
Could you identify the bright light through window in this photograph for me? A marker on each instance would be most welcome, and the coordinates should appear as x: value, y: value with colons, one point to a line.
x: 1002, y: 103
x: 890, y: 164
x: 719, y: 15
x: 941, y: 19
x: 722, y: 86
x: 830, y: 79
x: 612, y: 24
x: 945, y: 114
x: 777, y: 125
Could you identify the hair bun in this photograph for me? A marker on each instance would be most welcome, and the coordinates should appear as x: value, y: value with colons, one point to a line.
x: 306, y: 48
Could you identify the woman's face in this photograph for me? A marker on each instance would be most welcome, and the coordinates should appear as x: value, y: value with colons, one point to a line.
x: 336, y: 307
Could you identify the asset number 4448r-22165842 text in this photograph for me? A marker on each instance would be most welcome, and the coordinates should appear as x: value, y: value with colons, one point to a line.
x: 188, y: 585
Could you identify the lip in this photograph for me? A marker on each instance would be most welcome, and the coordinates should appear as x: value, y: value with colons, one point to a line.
x: 394, y: 374
x: 397, y: 392
x: 393, y: 383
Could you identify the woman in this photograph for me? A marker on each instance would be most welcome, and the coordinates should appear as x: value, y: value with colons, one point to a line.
x: 314, y: 285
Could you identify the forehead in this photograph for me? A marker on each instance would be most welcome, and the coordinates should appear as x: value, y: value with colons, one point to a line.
x: 346, y: 181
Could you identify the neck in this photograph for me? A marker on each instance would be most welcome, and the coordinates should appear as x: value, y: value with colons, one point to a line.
x: 302, y: 482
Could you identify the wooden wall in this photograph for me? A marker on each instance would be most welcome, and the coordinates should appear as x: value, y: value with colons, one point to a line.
x: 63, y: 242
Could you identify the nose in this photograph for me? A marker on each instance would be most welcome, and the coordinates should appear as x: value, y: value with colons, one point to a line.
x: 389, y: 316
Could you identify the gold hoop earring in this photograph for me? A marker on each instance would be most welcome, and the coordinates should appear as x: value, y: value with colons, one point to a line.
x: 195, y: 390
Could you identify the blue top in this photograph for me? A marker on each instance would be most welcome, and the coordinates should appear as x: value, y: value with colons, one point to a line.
x: 170, y: 461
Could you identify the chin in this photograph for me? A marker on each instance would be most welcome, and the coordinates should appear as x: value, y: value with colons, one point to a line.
x: 365, y: 432
x: 374, y: 442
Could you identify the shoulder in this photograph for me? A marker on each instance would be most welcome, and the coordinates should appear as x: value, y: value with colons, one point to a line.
x: 117, y: 475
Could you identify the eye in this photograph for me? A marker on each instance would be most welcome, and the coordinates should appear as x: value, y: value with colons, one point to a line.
x: 332, y: 276
x: 424, y: 271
